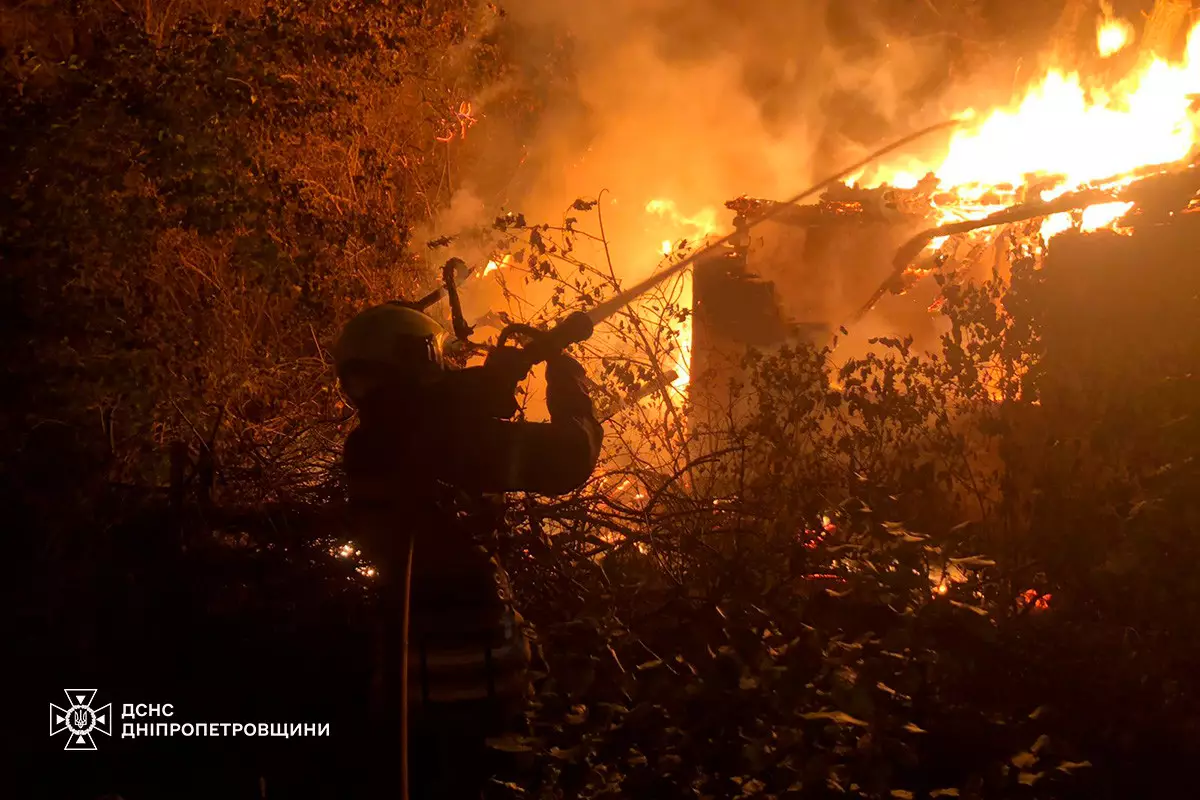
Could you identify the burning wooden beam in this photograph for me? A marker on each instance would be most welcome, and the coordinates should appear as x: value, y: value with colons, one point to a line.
x: 1160, y: 191
x: 796, y: 276
x: 1165, y: 27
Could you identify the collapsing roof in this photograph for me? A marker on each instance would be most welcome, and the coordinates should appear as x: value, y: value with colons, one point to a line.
x: 809, y: 270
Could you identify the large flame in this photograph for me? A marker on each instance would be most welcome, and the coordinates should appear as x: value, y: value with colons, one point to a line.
x: 1062, y: 128
x: 1069, y: 130
x: 1112, y: 35
x: 1066, y: 129
x: 692, y: 229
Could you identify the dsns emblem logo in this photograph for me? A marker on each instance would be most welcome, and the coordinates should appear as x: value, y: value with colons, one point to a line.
x: 79, y: 719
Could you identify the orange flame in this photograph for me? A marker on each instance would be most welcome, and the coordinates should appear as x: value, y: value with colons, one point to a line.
x: 1112, y: 35
x: 1064, y: 127
x: 694, y: 229
x: 492, y: 266
x: 703, y: 223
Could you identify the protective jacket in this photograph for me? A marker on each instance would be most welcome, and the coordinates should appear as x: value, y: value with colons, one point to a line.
x: 446, y: 434
x: 427, y: 460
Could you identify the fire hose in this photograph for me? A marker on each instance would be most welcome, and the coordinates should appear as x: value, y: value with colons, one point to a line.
x: 618, y: 301
x: 577, y: 327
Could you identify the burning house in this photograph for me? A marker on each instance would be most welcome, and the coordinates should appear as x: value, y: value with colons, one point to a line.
x: 1109, y: 148
x: 1078, y: 155
x: 796, y: 277
x: 800, y: 276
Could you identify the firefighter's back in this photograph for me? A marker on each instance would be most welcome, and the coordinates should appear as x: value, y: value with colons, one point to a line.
x: 468, y: 650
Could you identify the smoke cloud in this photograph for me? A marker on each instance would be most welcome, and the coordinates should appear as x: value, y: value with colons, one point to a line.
x: 701, y: 102
x: 697, y: 102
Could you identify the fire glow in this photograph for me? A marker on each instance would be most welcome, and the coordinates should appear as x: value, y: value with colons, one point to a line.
x: 1112, y: 35
x: 1071, y: 133
x: 1064, y: 134
x: 694, y: 229
x: 492, y: 266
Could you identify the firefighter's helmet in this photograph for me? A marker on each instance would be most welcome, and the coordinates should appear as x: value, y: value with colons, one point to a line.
x: 387, y: 344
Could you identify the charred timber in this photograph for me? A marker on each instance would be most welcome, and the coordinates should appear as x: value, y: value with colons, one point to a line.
x: 1158, y: 195
x: 843, y: 204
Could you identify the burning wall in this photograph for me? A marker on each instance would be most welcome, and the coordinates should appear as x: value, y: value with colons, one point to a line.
x: 795, y: 278
x: 1119, y: 375
x: 1121, y: 324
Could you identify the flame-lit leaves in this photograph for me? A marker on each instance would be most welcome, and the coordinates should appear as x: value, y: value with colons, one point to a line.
x: 899, y: 530
x: 222, y: 172
x: 992, y: 342
x: 509, y: 221
x: 457, y: 124
x: 537, y: 244
x: 627, y: 375
x: 543, y: 269
x: 569, y: 222
x: 790, y: 384
x: 827, y: 700
x: 864, y: 725
x: 1043, y: 764
x: 844, y: 700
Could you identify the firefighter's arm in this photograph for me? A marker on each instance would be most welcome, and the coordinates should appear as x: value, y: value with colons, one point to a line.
x: 554, y: 457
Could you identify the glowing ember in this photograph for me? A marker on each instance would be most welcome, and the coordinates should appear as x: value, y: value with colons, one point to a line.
x: 1112, y: 35
x: 457, y: 127
x: 1041, y: 602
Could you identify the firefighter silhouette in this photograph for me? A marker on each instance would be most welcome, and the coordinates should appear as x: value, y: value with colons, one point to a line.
x: 434, y: 450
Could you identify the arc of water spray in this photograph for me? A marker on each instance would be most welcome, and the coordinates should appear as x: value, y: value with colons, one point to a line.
x: 618, y: 301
